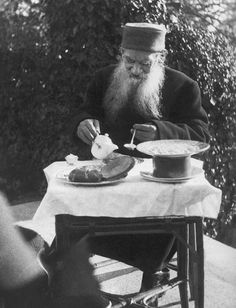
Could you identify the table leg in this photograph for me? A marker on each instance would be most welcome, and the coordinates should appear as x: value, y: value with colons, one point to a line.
x: 200, y: 264
x: 192, y: 262
x: 183, y: 266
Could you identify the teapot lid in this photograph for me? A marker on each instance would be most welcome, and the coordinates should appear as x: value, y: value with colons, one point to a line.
x: 102, y: 137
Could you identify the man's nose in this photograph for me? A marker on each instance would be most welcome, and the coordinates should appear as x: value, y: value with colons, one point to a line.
x: 135, y: 69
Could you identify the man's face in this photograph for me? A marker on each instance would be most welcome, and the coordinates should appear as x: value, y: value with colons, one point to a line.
x: 136, y: 82
x: 138, y: 63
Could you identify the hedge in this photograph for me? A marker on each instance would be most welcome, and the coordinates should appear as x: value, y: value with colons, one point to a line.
x: 48, y: 52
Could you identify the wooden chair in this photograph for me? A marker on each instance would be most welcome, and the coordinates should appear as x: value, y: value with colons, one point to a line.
x: 187, y: 231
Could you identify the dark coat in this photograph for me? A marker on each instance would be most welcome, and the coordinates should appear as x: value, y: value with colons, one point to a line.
x: 183, y: 114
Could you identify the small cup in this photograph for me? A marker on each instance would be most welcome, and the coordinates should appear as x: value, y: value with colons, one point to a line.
x: 71, y: 159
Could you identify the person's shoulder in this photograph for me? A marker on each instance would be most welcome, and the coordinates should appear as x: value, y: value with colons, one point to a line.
x: 177, y: 77
x: 106, y: 71
x: 103, y: 75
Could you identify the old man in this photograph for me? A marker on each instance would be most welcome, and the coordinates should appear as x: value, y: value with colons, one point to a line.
x: 141, y: 93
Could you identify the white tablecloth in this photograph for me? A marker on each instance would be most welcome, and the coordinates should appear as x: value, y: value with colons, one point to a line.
x: 133, y: 197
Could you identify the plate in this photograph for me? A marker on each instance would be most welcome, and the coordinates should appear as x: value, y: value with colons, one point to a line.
x: 195, y: 172
x: 64, y: 178
x: 172, y: 147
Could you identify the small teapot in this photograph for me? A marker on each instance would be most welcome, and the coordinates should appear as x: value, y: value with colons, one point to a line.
x: 102, y: 146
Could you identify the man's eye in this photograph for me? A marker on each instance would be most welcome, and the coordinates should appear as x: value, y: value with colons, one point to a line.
x: 146, y: 64
x: 129, y: 60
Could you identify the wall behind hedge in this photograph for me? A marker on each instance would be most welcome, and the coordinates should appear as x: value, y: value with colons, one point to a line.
x: 48, y: 52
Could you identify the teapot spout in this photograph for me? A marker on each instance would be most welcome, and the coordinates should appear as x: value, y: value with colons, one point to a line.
x: 111, y: 149
x: 114, y: 147
x: 102, y: 147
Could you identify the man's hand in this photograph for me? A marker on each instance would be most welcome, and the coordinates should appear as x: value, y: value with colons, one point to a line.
x: 88, y: 129
x: 145, y: 132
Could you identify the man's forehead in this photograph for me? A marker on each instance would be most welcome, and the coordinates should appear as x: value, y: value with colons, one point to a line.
x: 138, y: 54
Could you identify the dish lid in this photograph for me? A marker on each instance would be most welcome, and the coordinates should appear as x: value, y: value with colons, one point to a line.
x: 172, y: 147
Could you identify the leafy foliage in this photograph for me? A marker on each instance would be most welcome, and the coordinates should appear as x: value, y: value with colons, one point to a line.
x: 49, y: 50
x: 209, y: 56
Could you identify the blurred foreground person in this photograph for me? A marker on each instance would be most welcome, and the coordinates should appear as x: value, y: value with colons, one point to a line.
x: 20, y: 273
x: 140, y: 93
x: 24, y: 282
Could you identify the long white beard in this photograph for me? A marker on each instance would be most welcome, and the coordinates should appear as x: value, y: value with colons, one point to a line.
x: 143, y: 96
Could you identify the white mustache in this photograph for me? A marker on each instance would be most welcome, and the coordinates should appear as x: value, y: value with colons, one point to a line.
x: 142, y: 91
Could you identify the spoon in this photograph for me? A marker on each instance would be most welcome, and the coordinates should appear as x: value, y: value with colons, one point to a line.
x: 131, y: 145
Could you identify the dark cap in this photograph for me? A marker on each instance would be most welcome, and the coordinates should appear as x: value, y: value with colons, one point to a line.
x: 144, y: 36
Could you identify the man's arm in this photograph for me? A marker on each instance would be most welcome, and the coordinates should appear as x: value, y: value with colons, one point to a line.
x: 90, y: 110
x: 187, y: 119
x: 92, y: 106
